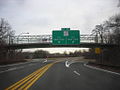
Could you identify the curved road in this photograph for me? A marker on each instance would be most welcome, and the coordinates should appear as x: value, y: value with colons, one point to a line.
x: 41, y: 74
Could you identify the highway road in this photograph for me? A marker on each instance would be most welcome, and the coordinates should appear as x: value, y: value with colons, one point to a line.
x: 42, y: 74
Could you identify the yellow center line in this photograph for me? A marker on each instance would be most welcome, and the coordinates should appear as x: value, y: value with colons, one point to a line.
x: 33, y: 80
x: 29, y: 80
x: 37, y: 78
x: 17, y: 84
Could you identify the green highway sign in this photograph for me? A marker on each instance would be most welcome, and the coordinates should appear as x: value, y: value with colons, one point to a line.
x: 65, y: 36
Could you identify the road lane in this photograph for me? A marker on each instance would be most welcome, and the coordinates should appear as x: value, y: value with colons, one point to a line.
x: 10, y: 77
x: 100, y: 80
x: 76, y: 73
x: 60, y: 77
x: 6, y: 67
x: 29, y: 80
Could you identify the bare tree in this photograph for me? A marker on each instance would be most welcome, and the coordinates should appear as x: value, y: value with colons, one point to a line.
x: 113, y: 26
x: 109, y: 32
x: 98, y: 31
x: 6, y: 33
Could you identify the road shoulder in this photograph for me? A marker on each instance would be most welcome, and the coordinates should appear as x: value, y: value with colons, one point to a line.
x: 105, y: 68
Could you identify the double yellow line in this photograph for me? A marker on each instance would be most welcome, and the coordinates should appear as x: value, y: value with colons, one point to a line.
x: 28, y: 81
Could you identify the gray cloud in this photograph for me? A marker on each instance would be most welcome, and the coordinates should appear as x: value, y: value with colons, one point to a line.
x: 46, y: 15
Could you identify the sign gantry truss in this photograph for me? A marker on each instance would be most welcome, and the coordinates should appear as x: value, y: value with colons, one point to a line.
x: 46, y: 39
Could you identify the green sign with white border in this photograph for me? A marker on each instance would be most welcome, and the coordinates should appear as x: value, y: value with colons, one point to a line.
x: 65, y: 36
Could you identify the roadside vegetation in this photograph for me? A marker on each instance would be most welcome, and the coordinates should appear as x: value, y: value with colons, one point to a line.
x: 108, y: 32
x: 6, y: 38
x: 46, y: 54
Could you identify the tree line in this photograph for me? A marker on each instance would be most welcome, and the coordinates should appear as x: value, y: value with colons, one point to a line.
x: 108, y: 32
x: 46, y: 54
x: 6, y: 38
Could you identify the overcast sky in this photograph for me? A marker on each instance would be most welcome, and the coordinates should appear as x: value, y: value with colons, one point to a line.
x: 43, y: 16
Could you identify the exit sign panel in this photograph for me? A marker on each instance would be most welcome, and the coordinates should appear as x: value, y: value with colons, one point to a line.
x: 65, y: 36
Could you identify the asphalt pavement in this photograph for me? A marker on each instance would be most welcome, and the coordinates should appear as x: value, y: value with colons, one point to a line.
x: 41, y: 74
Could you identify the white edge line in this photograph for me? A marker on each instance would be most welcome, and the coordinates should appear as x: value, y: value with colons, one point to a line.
x: 14, y: 64
x: 11, y: 69
x: 100, y: 69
